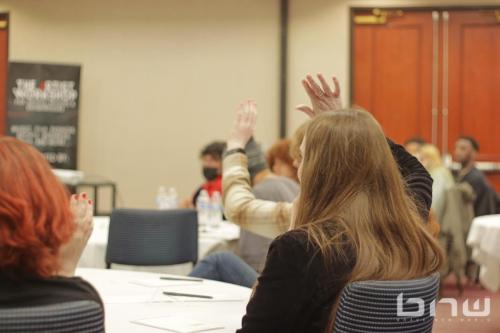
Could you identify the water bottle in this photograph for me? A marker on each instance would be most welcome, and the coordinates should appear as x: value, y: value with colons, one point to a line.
x: 162, y: 198
x: 173, y: 198
x: 215, y: 209
x: 203, y: 207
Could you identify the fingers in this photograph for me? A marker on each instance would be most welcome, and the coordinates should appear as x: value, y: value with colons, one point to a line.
x: 89, y: 213
x: 336, y: 84
x: 309, y: 90
x: 81, y: 207
x: 314, y: 86
x: 252, y: 114
x: 326, y: 88
x: 305, y: 109
x: 239, y: 113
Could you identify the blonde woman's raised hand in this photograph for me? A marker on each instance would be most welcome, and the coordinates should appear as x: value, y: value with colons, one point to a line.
x: 70, y: 253
x: 244, y: 125
x: 323, y: 97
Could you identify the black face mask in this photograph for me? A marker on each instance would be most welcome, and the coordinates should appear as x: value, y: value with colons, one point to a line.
x: 210, y: 173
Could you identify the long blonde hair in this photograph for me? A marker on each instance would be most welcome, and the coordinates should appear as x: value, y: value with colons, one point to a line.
x: 354, y: 199
x: 431, y: 156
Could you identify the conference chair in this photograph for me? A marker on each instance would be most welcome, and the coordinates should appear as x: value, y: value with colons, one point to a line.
x: 152, y: 237
x: 372, y: 306
x: 78, y: 316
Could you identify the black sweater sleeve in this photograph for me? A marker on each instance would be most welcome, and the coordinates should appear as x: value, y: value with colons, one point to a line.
x: 418, y: 180
x: 279, y: 292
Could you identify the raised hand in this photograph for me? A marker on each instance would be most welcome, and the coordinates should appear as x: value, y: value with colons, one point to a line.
x: 244, y: 125
x: 70, y: 253
x: 322, y: 97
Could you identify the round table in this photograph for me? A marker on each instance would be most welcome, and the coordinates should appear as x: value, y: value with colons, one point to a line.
x: 224, y: 237
x: 484, y: 239
x: 129, y: 296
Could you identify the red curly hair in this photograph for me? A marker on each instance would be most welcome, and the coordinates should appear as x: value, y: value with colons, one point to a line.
x: 35, y: 219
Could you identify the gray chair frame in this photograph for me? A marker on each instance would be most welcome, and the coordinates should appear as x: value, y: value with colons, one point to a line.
x: 84, y: 316
x: 371, y: 306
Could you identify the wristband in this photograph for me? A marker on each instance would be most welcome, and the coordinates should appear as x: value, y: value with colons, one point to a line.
x: 234, y: 151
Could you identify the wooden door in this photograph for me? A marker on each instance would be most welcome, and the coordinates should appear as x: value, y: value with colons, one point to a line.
x: 474, y: 80
x: 3, y: 71
x: 392, y: 71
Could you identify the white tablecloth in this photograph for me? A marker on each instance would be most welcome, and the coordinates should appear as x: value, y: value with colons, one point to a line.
x: 484, y: 238
x: 94, y: 253
x: 125, y: 300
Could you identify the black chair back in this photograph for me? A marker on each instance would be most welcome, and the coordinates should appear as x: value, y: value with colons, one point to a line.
x: 152, y: 237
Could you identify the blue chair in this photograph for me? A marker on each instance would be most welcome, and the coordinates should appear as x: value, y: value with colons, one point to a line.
x: 372, y: 306
x: 152, y: 237
x: 78, y: 316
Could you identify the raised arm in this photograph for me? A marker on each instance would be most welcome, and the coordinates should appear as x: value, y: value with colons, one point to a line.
x: 418, y: 180
x: 265, y: 218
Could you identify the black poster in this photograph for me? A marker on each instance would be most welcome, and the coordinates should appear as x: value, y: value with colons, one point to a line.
x: 43, y: 109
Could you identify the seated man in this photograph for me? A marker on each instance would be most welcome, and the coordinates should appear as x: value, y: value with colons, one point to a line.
x: 466, y: 149
x: 211, y: 161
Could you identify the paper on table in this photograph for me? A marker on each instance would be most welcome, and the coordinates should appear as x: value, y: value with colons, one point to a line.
x: 216, y: 297
x: 176, y: 324
x: 156, y: 282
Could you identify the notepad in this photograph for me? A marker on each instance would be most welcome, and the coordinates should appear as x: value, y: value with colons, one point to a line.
x: 179, y: 325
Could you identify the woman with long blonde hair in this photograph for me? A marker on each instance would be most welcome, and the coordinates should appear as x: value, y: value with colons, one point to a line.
x: 442, y: 178
x: 354, y: 220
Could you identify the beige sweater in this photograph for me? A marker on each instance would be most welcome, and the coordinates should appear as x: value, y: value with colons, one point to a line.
x: 265, y: 218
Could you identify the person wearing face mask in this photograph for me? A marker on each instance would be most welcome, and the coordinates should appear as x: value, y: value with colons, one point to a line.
x: 211, y: 161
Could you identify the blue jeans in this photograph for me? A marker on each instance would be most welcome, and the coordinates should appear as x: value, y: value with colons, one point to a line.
x: 227, y: 267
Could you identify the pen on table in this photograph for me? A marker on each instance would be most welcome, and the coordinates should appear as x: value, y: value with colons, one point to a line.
x: 169, y: 293
x: 180, y: 279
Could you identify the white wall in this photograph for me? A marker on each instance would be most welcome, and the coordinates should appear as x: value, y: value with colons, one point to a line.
x: 160, y: 78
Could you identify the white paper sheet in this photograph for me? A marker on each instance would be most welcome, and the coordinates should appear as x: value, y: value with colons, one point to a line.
x: 179, y: 325
x: 156, y: 282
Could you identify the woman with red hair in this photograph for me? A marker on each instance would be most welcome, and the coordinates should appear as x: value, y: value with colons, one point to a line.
x: 42, y: 232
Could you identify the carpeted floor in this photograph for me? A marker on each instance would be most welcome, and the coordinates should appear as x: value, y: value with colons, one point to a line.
x: 446, y: 323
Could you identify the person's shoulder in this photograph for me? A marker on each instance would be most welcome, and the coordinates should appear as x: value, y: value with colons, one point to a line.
x: 292, y: 249
x: 294, y: 240
x: 477, y: 176
x: 77, y: 287
x: 276, y: 188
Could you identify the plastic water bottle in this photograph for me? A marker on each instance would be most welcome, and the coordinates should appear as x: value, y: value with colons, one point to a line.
x: 162, y: 198
x: 215, y: 209
x: 203, y: 207
x: 173, y: 198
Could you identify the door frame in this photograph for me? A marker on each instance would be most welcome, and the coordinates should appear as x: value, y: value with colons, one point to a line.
x: 352, y: 12
x: 6, y: 16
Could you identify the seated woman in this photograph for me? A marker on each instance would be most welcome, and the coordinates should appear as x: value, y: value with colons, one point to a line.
x: 280, y: 161
x: 442, y: 178
x: 42, y: 232
x: 354, y: 220
x: 271, y: 219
